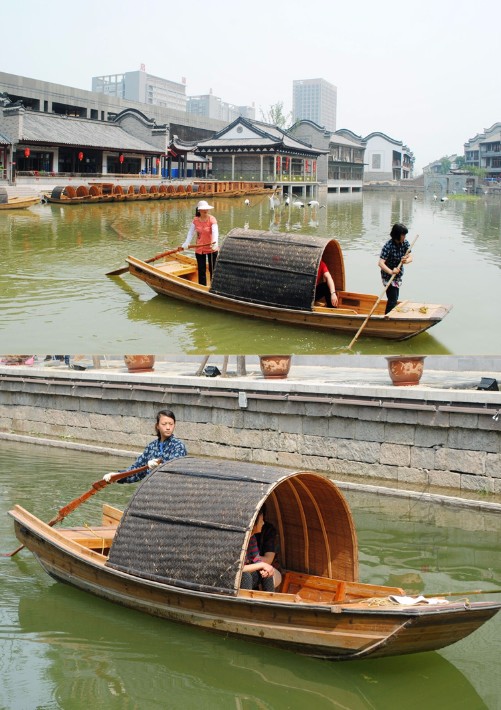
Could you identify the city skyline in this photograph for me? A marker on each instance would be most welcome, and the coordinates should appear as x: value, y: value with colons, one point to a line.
x: 423, y: 74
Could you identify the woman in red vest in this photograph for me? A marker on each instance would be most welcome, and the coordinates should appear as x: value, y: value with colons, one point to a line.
x: 206, y: 245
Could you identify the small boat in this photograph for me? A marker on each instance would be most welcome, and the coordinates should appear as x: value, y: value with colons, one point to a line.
x: 273, y: 276
x: 17, y: 202
x: 177, y: 552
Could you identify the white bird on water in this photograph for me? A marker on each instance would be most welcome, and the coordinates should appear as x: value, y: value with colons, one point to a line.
x: 435, y: 197
x: 315, y: 203
x: 247, y: 202
x: 444, y: 199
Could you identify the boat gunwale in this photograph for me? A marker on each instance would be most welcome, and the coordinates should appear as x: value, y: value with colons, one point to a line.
x: 313, y: 314
x: 55, y: 538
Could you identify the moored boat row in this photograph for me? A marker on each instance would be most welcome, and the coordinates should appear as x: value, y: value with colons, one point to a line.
x: 110, y: 192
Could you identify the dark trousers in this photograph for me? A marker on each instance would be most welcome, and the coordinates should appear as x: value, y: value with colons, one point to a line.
x: 253, y: 580
x: 202, y: 261
x: 392, y: 296
x: 322, y: 291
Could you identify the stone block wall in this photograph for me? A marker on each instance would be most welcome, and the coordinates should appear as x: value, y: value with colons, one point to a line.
x: 408, y: 443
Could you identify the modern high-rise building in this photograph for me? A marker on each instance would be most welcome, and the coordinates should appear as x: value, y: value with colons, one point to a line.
x: 143, y: 88
x: 315, y: 100
x: 213, y: 107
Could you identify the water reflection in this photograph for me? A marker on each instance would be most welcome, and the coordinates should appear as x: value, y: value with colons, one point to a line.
x: 54, y: 259
x: 100, y: 655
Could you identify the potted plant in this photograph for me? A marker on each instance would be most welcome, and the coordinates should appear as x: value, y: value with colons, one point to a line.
x: 275, y: 367
x: 405, y: 369
x: 139, y: 363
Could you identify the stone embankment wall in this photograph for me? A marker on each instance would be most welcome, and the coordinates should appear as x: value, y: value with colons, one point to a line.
x: 418, y: 441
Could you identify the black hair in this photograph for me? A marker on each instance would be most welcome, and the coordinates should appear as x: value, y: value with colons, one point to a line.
x: 397, y: 230
x: 164, y: 413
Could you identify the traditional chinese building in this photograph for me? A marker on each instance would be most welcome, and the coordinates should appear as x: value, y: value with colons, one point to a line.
x: 259, y: 152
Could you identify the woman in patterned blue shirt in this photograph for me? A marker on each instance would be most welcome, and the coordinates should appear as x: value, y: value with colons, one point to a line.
x: 164, y: 448
x: 392, y: 253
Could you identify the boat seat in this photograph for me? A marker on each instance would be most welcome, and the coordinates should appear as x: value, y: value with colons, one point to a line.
x: 97, y: 537
x: 176, y: 269
x: 323, y: 589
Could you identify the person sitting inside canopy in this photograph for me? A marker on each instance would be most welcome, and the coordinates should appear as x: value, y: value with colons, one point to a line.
x: 256, y: 572
x: 325, y: 287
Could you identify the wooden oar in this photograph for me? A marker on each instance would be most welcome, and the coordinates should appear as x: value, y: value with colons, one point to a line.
x: 117, y: 272
x: 381, y: 296
x: 463, y: 594
x: 67, y: 509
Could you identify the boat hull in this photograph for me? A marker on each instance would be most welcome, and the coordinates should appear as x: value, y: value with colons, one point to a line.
x: 19, y: 203
x: 329, y: 631
x: 403, y: 324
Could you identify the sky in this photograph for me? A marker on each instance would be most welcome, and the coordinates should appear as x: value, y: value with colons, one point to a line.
x: 425, y: 73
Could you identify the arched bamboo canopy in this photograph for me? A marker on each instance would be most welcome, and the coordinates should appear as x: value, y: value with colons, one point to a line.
x: 275, y: 269
x: 190, y: 522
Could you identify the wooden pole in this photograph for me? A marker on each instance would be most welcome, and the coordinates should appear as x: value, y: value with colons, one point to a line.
x: 76, y: 502
x: 122, y: 270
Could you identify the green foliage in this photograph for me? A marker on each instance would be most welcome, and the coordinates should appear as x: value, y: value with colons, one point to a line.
x: 276, y: 116
x: 479, y: 172
x: 445, y: 165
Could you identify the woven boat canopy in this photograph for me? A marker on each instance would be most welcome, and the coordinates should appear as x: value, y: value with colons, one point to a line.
x: 275, y: 269
x: 190, y: 522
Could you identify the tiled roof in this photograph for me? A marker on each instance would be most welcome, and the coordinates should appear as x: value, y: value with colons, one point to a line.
x: 42, y: 128
x: 4, y: 140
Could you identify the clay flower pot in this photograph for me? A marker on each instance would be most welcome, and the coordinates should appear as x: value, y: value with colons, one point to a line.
x: 405, y: 369
x: 139, y: 363
x: 275, y: 367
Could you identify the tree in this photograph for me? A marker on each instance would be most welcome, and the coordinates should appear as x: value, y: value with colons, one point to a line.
x: 445, y: 165
x: 276, y: 116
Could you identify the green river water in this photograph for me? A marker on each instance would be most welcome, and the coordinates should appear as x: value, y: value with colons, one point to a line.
x: 64, y: 649
x: 55, y: 297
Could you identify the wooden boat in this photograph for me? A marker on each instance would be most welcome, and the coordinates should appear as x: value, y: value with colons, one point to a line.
x: 17, y: 203
x: 178, y: 549
x: 273, y: 276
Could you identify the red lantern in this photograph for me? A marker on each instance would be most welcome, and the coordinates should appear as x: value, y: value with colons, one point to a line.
x: 80, y: 156
x: 121, y: 158
x: 287, y: 165
x: 278, y: 163
x: 158, y: 161
x: 307, y: 165
x: 27, y: 152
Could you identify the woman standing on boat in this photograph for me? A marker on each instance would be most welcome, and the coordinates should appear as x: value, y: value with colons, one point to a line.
x: 206, y: 246
x: 393, y: 252
x: 165, y: 447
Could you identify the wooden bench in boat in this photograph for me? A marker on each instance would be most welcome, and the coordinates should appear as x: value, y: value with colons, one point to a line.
x: 322, y: 589
x: 174, y: 268
x: 96, y: 537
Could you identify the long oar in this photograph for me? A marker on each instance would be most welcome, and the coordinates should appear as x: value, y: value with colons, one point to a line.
x: 463, y: 594
x: 117, y: 272
x: 381, y: 296
x: 67, y: 509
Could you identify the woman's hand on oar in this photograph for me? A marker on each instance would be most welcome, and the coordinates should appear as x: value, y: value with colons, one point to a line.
x: 124, y: 269
x: 96, y: 486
